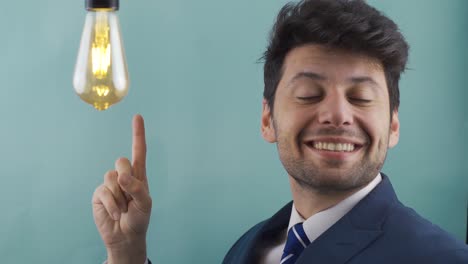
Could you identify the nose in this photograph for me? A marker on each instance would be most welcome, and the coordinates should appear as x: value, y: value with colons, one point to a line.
x: 335, y: 110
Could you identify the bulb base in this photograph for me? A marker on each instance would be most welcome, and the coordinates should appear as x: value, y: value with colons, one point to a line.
x: 98, y: 4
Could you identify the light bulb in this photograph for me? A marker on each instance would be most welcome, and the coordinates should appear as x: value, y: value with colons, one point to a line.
x: 101, y: 75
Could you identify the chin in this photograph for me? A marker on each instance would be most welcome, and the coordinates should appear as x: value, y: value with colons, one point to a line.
x: 337, y: 181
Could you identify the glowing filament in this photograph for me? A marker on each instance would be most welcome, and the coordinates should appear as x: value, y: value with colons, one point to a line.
x: 101, y: 90
x: 101, y: 50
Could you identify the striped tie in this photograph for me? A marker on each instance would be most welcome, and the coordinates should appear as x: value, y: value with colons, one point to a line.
x: 297, y: 241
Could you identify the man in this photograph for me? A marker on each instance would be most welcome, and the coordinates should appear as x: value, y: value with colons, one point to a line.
x: 330, y: 104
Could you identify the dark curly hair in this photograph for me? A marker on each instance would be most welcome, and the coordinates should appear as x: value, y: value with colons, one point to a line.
x: 350, y: 25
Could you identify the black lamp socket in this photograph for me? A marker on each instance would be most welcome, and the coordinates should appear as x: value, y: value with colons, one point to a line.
x: 98, y: 4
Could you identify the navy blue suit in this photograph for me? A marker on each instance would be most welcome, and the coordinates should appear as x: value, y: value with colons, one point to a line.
x: 378, y: 230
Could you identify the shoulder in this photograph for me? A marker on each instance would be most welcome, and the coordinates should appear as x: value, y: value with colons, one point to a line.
x: 413, y: 235
x: 252, y: 242
x: 406, y: 222
x: 243, y: 244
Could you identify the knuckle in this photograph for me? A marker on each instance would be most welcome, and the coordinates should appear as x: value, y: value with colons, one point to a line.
x: 112, y: 188
x: 121, y: 161
x: 136, y: 187
x: 107, y: 198
x: 110, y: 175
x: 99, y: 190
x: 104, y: 192
x: 150, y: 202
x: 96, y: 194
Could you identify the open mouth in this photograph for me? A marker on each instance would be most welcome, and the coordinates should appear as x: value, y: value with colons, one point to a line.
x: 334, y: 146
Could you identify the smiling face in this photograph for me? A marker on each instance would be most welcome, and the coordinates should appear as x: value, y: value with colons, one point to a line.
x: 331, y: 118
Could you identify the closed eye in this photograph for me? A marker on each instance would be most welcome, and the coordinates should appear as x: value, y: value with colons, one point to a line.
x: 360, y: 100
x: 309, y: 98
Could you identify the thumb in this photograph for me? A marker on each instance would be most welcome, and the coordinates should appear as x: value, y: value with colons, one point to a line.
x: 137, y: 190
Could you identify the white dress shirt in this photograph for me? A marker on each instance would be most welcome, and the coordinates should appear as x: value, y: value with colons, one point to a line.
x: 317, y: 224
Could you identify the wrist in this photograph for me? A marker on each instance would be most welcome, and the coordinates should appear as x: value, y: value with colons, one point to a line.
x: 127, y: 254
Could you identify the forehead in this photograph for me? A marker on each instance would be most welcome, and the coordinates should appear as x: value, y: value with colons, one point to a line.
x: 335, y: 64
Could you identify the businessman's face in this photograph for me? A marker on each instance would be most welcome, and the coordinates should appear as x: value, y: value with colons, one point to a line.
x: 331, y: 118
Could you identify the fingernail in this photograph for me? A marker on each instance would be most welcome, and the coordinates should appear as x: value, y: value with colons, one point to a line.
x: 125, y: 179
x: 116, y: 216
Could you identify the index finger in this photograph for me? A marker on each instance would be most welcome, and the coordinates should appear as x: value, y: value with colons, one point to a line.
x: 139, y: 148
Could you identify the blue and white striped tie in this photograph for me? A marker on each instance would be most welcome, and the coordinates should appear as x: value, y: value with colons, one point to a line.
x: 297, y: 241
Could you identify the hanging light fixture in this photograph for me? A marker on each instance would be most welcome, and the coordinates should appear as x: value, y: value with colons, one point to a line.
x: 101, y: 75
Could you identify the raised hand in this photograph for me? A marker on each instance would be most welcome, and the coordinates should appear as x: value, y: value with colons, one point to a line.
x: 122, y: 204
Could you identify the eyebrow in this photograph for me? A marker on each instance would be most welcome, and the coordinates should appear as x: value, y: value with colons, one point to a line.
x: 364, y: 79
x: 319, y: 77
x: 309, y: 75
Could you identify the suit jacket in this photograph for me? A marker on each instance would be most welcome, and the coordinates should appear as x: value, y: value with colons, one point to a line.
x: 378, y: 230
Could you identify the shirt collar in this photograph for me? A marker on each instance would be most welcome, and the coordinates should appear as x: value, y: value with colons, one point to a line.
x: 317, y: 224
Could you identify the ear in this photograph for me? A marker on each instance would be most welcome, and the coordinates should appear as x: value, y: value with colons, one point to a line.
x: 394, y: 130
x: 268, y: 130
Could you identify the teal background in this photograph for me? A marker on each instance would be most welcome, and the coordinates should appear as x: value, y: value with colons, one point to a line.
x: 195, y: 78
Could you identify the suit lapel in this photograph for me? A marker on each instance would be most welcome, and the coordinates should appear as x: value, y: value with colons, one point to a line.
x: 355, y: 231
x: 338, y: 245
x: 267, y: 232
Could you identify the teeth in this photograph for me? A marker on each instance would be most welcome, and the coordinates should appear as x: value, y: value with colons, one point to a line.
x: 339, y: 147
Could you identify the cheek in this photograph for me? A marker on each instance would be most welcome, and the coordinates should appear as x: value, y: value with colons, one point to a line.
x: 376, y: 125
x: 290, y: 123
